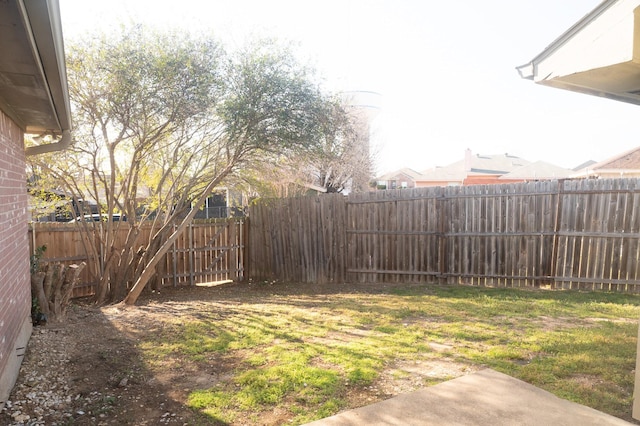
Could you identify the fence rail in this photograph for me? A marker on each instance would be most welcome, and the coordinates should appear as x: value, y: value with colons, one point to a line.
x: 205, y: 252
x: 581, y: 234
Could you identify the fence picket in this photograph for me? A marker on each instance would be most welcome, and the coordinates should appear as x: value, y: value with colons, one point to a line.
x: 565, y: 234
x: 205, y: 252
x: 562, y: 234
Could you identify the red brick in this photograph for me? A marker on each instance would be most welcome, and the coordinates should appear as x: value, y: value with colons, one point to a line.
x: 15, y: 292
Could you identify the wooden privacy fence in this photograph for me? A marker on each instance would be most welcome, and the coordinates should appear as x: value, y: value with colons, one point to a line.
x: 205, y: 252
x: 579, y: 234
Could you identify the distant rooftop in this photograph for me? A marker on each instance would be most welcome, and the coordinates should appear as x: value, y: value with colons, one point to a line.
x: 407, y: 171
x: 474, y: 165
x: 538, y: 170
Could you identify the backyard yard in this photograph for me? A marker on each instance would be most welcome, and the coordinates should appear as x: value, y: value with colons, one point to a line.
x: 264, y: 353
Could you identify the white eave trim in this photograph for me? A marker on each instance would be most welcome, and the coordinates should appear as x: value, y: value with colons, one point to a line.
x: 43, y: 25
x: 529, y: 70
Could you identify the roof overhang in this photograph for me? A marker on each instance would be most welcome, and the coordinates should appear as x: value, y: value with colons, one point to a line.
x: 33, y: 81
x: 599, y: 55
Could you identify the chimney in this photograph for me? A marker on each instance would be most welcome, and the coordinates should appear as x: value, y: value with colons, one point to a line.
x: 467, y: 160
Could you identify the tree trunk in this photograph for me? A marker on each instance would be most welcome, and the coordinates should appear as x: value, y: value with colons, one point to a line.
x: 106, y: 286
x: 150, y: 268
x: 48, y: 281
x: 71, y: 279
x: 59, y: 272
x: 37, y: 289
x: 54, y: 287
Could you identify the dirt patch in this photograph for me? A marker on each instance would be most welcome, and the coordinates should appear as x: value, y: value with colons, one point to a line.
x: 413, y: 375
x: 90, y: 371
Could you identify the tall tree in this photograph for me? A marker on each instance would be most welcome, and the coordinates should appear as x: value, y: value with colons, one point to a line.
x: 342, y: 162
x: 161, y: 120
x: 345, y: 162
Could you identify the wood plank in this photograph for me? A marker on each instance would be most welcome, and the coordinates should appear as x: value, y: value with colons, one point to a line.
x: 585, y: 236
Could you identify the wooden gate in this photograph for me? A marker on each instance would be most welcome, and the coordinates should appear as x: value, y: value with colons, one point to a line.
x: 206, y: 252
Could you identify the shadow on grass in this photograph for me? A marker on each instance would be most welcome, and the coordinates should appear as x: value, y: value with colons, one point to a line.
x: 111, y: 379
x: 302, y: 352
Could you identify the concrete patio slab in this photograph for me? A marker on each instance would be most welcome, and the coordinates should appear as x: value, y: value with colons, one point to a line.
x: 483, y: 398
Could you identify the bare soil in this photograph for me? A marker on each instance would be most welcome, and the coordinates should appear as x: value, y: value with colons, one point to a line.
x: 89, y: 371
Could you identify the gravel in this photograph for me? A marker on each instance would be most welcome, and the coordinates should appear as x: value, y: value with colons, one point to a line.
x: 43, y: 394
x: 88, y: 371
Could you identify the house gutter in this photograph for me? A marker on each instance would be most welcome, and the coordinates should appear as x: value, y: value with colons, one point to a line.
x: 42, y: 23
x: 529, y: 71
x: 63, y: 143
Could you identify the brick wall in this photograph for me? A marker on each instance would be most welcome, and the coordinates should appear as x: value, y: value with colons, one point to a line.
x: 15, y: 288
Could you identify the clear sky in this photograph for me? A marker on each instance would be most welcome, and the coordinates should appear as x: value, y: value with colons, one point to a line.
x: 445, y: 69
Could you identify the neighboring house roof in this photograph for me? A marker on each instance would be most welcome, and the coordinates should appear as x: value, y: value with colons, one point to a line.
x: 480, y: 167
x: 540, y: 170
x: 404, y: 171
x: 33, y: 81
x: 627, y: 162
x: 443, y: 174
x: 497, y: 164
x: 594, y: 56
x: 583, y: 165
x: 474, y: 165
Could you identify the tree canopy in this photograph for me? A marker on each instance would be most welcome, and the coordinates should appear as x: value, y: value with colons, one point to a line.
x: 161, y: 120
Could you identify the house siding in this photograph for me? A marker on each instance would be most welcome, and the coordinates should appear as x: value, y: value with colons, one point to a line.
x: 432, y: 183
x: 489, y: 180
x: 15, y: 287
x: 395, y: 181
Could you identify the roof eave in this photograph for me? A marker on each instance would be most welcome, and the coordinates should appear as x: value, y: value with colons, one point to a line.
x: 44, y: 30
x: 529, y: 70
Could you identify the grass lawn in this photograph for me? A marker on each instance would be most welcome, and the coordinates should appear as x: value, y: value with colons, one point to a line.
x: 305, y: 355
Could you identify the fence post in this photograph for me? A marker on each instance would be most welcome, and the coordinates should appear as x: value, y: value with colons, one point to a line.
x: 556, y: 230
x: 442, y: 238
x: 245, y: 269
x: 175, y: 262
x: 232, y: 240
x: 192, y: 255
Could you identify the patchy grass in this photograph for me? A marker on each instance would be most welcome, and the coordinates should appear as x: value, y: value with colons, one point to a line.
x: 308, y: 356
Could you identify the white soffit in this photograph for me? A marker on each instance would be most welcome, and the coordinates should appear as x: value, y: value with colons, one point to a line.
x: 599, y: 55
x: 33, y: 81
